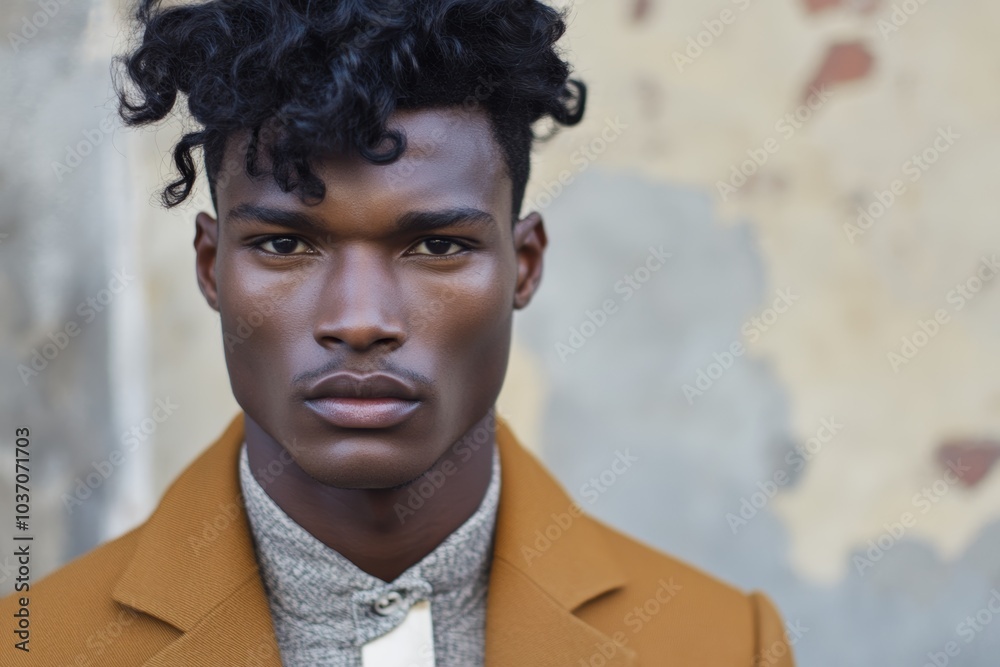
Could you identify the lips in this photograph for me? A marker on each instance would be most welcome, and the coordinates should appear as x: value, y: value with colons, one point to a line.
x: 346, y: 400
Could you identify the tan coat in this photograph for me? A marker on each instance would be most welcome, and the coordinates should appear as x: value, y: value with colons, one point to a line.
x: 183, y: 588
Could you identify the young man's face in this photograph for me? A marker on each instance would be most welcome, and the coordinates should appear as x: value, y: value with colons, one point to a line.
x: 404, y: 278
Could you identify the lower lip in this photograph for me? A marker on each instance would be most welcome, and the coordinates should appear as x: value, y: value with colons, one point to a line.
x: 363, y: 412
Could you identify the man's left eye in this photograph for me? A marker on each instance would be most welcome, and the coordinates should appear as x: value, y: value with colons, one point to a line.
x: 283, y: 245
x: 438, y: 247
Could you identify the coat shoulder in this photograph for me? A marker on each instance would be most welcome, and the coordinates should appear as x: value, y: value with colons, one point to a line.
x: 671, y: 607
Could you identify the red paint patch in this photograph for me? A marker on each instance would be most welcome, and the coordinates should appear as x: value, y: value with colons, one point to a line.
x: 863, y: 6
x: 844, y: 61
x: 970, y: 459
x: 640, y: 10
x: 814, y: 6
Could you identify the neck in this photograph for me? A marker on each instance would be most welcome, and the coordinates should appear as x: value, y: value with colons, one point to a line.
x: 382, y: 531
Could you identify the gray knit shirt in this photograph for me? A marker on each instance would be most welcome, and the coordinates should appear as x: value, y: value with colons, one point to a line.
x: 324, y: 607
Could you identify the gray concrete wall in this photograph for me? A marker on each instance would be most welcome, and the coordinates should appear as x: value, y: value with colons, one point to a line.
x: 71, y: 286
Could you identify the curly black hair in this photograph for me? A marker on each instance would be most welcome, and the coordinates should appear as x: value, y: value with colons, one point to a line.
x: 309, y: 77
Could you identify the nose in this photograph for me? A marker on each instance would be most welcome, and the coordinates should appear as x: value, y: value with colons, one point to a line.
x: 360, y: 304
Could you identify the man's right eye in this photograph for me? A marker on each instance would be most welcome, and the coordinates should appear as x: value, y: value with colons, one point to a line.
x: 283, y: 245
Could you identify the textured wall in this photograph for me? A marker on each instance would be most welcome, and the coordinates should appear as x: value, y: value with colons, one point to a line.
x: 71, y: 286
x: 813, y: 463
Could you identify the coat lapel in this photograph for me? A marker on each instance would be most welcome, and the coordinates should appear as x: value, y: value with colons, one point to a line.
x: 548, y: 561
x: 236, y: 632
x: 205, y: 583
x: 526, y: 627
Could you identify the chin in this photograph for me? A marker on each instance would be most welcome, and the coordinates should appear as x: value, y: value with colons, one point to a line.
x: 363, y: 462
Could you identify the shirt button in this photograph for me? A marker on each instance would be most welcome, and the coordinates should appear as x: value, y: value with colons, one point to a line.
x: 388, y: 603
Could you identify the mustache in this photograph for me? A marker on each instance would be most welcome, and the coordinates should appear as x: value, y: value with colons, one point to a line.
x: 310, y: 377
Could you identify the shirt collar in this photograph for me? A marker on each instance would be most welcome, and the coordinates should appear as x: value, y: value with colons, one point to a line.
x: 310, y: 583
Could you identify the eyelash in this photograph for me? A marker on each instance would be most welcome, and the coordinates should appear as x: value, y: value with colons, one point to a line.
x: 463, y: 247
x: 258, y: 243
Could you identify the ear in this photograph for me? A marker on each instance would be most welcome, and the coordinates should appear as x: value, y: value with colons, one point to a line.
x: 529, y: 245
x: 206, y: 245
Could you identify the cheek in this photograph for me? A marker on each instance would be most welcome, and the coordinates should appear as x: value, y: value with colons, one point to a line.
x: 257, y: 310
x: 467, y: 322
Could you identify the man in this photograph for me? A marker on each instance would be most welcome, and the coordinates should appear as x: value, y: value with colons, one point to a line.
x: 367, y: 162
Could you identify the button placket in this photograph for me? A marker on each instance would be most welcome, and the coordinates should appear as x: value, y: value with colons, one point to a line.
x: 384, y: 606
x: 388, y: 604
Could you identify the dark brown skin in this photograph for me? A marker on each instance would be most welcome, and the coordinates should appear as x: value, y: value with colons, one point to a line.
x: 360, y: 294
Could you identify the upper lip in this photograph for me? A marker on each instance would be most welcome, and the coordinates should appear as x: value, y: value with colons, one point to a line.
x: 349, y: 385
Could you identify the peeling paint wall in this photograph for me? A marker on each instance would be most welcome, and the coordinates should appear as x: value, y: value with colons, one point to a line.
x: 843, y: 459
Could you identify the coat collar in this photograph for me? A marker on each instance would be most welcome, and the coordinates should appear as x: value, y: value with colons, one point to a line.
x: 194, y: 567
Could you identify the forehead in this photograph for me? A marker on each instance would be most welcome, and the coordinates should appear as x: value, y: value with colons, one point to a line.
x: 451, y: 158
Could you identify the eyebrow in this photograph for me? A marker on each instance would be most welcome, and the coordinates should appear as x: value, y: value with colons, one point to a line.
x: 426, y: 221
x: 275, y: 216
x: 411, y: 221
